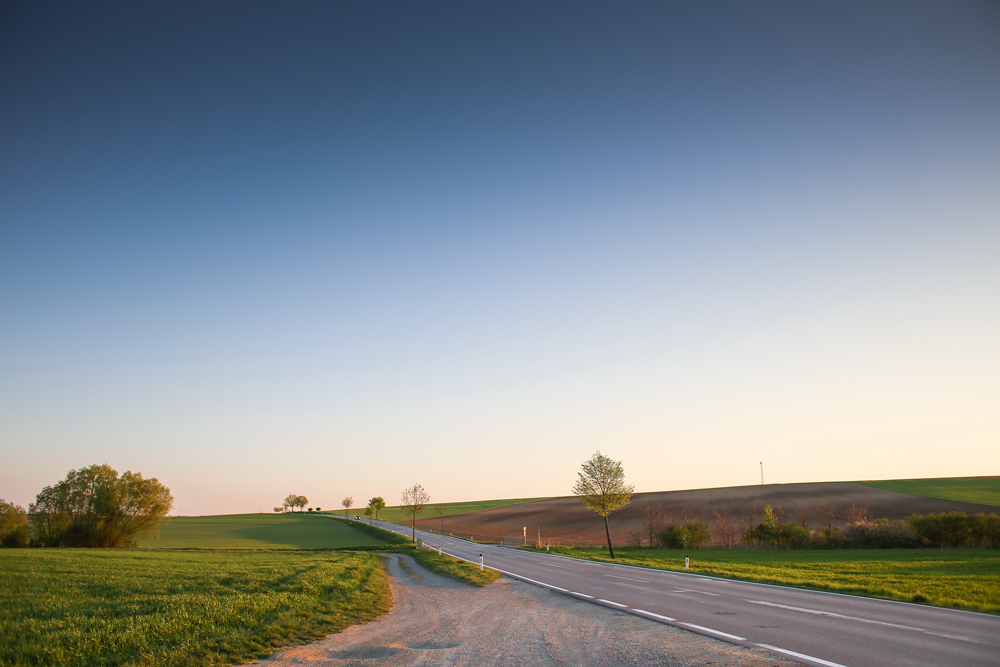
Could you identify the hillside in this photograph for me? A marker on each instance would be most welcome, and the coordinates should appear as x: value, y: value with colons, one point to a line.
x: 565, y: 521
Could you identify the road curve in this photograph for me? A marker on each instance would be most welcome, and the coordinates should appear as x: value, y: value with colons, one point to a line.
x: 812, y: 627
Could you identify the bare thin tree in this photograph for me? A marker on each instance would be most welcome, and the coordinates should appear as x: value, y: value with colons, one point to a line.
x: 722, y: 527
x: 827, y: 514
x: 347, y: 502
x: 654, y: 517
x: 440, y: 510
x: 414, y: 499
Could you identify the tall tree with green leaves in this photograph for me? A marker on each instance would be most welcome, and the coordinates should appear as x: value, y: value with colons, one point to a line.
x: 13, y: 525
x: 601, y: 487
x: 377, y: 503
x: 94, y: 507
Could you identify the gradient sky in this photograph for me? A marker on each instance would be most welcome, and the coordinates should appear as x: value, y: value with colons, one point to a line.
x: 335, y: 248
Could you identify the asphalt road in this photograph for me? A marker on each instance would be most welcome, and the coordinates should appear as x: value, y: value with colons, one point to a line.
x: 813, y: 627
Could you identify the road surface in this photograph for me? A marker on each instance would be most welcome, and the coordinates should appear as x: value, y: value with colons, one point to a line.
x: 813, y: 627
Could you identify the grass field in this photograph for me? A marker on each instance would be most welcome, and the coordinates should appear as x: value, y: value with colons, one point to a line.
x: 257, y: 531
x: 109, y: 607
x: 958, y: 578
x: 398, y: 515
x: 981, y: 490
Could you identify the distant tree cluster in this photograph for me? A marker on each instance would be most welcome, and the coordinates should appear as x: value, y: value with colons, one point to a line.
x: 92, y: 507
x: 292, y: 501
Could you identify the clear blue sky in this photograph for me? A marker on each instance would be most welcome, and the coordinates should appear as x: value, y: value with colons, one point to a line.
x: 336, y: 248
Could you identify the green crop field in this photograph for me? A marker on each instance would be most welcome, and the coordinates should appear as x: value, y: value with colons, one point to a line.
x: 398, y: 515
x: 300, y: 530
x: 110, y: 607
x: 959, y: 578
x: 981, y: 490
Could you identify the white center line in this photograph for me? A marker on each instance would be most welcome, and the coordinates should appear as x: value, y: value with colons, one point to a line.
x: 831, y: 614
x: 649, y: 613
x: 641, y: 581
x: 715, y: 632
x: 617, y: 604
x: 801, y: 656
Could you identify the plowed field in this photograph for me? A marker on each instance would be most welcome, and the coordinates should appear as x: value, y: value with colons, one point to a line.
x: 566, y: 521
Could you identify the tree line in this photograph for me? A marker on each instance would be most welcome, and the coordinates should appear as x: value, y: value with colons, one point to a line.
x: 768, y: 527
x: 91, y: 507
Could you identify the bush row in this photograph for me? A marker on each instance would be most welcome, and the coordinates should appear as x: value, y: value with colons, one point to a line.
x: 944, y: 530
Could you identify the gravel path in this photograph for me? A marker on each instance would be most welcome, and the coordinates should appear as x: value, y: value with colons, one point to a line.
x: 437, y: 621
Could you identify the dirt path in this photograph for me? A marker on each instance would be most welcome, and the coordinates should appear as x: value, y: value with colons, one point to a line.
x: 437, y: 621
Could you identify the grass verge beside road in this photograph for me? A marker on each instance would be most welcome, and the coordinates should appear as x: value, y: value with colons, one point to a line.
x: 957, y: 578
x: 980, y: 490
x: 454, y: 568
x: 90, y: 607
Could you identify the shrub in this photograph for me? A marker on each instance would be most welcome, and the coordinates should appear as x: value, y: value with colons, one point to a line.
x: 956, y: 529
x: 693, y: 534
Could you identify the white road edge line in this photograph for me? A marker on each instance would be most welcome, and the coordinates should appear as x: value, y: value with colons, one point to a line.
x: 801, y: 656
x: 715, y: 632
x: 583, y: 595
x: 617, y: 604
x: 649, y: 613
x: 641, y: 581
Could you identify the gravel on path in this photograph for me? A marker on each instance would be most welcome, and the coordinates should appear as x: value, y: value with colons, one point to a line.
x: 438, y: 621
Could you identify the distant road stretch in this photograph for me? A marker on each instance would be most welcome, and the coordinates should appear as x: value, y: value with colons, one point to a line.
x: 811, y: 627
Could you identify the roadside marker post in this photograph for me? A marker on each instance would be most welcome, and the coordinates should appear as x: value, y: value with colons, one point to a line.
x: 480, y: 562
x: 687, y: 562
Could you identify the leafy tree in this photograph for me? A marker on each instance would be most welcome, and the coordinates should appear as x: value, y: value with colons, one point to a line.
x: 347, y: 502
x: 368, y: 513
x: 279, y: 509
x: 301, y: 502
x: 13, y: 525
x: 291, y: 501
x: 601, y: 487
x: 413, y: 500
x: 94, y: 507
x: 377, y: 503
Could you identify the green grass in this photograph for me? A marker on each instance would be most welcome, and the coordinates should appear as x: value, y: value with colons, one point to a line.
x: 398, y: 515
x: 110, y: 607
x: 958, y: 578
x: 454, y: 568
x: 258, y: 531
x: 981, y: 490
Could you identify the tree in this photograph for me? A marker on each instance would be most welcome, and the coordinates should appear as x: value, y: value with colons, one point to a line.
x: 347, y: 502
x: 413, y: 500
x: 13, y: 525
x: 291, y: 501
x: 654, y: 519
x: 601, y: 487
x: 279, y: 509
x: 368, y: 513
x: 440, y: 510
x: 94, y: 507
x: 301, y: 502
x: 377, y: 503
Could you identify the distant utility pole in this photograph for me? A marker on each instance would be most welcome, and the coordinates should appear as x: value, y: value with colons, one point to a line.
x: 762, y: 473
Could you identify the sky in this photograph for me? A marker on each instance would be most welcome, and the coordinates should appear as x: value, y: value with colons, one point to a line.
x: 337, y: 248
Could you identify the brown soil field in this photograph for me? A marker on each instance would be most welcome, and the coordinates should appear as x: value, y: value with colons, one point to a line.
x: 566, y: 521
